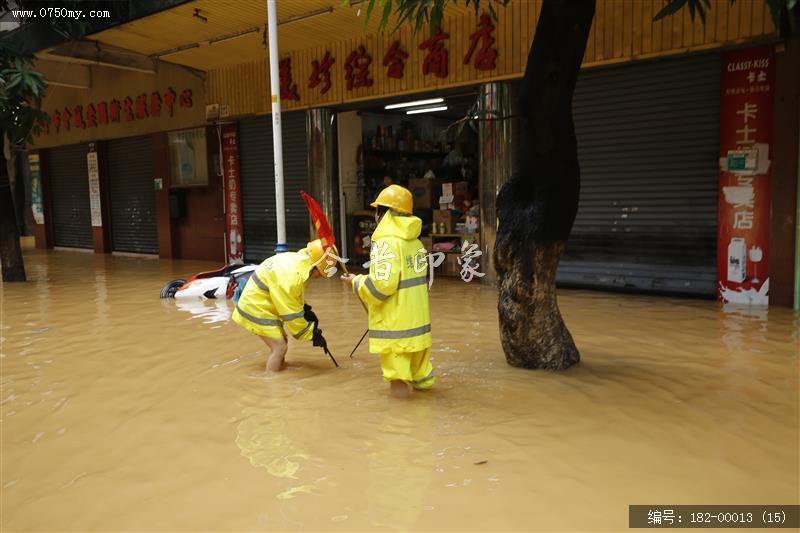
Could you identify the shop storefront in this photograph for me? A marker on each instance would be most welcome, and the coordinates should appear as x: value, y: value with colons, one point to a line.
x: 648, y: 143
x: 417, y: 143
x: 107, y: 160
x: 647, y: 114
x: 257, y: 173
x: 133, y: 206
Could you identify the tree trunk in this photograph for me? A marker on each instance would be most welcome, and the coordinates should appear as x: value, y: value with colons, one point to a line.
x: 537, y: 205
x: 10, y: 251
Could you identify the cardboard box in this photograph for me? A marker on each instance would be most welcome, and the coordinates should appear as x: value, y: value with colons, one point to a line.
x: 446, y: 217
x: 461, y: 188
x: 425, y: 192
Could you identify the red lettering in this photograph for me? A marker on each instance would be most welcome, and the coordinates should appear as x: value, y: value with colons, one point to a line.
x: 357, y: 69
x: 395, y: 60
x: 102, y: 113
x: 486, y: 56
x: 186, y: 98
x: 66, y: 118
x: 169, y: 99
x: 91, y: 116
x: 141, y: 106
x: 127, y: 106
x: 155, y: 104
x: 77, y: 117
x: 321, y: 73
x: 288, y: 87
x: 436, y: 59
x: 57, y: 120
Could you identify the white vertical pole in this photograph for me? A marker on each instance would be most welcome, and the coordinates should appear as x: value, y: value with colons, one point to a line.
x: 277, y: 141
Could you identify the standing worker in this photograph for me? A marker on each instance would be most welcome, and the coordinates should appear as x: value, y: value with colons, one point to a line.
x: 395, y: 293
x: 274, y: 297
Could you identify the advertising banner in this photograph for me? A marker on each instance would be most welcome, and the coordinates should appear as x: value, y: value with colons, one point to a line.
x: 233, y: 202
x: 744, y: 180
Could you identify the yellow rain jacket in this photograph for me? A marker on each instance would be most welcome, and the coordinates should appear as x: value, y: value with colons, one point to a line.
x: 274, y: 297
x: 396, y: 289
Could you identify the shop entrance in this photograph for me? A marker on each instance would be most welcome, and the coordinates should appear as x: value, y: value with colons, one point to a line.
x: 415, y: 142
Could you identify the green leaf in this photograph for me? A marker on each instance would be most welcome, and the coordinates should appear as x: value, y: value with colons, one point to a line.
x: 672, y: 7
x: 436, y: 15
x: 387, y: 12
x: 370, y: 5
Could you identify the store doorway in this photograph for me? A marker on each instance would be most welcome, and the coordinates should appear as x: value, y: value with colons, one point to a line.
x: 421, y: 143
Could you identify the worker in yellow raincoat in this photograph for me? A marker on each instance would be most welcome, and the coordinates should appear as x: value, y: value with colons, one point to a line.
x: 273, y: 301
x: 395, y: 293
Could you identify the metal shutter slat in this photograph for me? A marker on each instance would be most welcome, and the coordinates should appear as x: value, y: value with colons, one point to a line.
x: 133, y: 204
x: 648, y: 145
x: 258, y: 183
x: 69, y: 179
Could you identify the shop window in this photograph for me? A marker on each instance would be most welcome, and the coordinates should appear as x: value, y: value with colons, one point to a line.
x: 189, y: 166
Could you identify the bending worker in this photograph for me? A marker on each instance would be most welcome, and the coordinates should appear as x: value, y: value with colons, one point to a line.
x: 274, y: 298
x: 395, y: 293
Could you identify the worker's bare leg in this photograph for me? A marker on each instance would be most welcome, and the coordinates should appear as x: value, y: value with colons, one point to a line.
x: 277, y: 354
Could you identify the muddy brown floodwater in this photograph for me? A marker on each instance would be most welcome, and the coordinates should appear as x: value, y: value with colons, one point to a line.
x: 121, y: 411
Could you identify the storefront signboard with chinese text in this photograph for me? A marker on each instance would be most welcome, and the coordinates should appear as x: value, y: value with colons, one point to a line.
x: 233, y: 202
x: 94, y: 188
x: 37, y: 196
x: 744, y: 180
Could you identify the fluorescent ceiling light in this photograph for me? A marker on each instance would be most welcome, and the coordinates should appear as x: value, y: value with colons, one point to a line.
x: 426, y: 110
x: 415, y: 103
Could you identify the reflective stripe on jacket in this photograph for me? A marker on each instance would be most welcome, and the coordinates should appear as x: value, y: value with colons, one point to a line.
x: 275, y: 294
x: 395, y: 291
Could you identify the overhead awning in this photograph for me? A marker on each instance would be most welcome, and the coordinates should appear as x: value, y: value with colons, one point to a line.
x: 209, y: 34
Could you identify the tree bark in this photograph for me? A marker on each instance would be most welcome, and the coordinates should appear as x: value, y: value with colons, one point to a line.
x: 537, y: 206
x: 10, y: 250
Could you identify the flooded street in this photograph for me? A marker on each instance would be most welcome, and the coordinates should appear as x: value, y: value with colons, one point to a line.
x: 121, y: 411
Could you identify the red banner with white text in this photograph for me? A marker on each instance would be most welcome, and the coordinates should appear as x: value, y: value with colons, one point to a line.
x: 233, y: 202
x: 744, y: 179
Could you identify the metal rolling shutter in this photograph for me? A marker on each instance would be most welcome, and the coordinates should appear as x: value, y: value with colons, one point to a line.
x: 648, y: 144
x: 69, y: 179
x: 133, y: 202
x: 258, y: 183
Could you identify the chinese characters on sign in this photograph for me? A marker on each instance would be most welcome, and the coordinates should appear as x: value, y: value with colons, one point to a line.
x: 37, y: 196
x: 94, y: 188
x: 436, y: 59
x: 486, y: 56
x: 744, y: 182
x: 395, y: 60
x: 287, y: 86
x: 357, y: 69
x: 321, y: 73
x: 98, y: 114
x: 233, y: 202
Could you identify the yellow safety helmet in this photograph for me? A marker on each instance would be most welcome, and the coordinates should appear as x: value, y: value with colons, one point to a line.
x: 316, y: 251
x: 395, y: 197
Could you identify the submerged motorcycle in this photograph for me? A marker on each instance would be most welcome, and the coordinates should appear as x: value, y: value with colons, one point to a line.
x: 214, y: 284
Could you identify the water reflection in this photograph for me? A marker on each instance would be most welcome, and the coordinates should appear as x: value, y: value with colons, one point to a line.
x: 123, y: 411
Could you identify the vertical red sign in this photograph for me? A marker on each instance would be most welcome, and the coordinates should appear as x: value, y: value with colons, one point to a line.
x: 233, y: 202
x: 745, y: 175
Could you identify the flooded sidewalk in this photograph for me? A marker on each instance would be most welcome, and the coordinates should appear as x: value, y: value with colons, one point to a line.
x: 121, y: 411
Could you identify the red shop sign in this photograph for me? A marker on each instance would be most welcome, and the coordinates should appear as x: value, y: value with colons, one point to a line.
x: 745, y: 175
x: 233, y: 201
